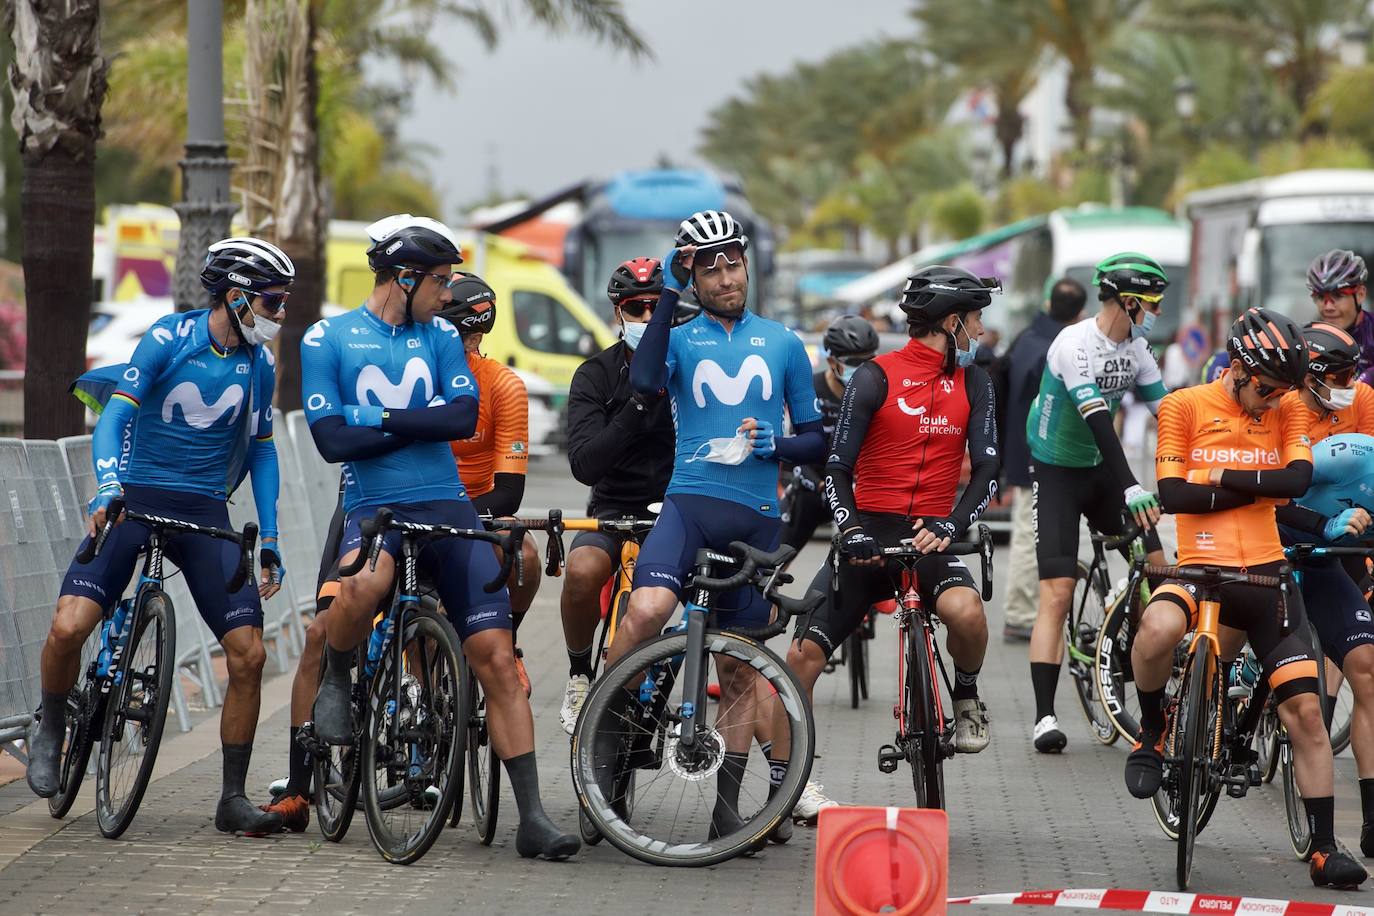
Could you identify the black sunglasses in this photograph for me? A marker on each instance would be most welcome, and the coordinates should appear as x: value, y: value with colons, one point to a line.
x: 637, y: 308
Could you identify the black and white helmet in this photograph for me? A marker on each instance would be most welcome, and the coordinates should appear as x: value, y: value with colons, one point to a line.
x: 711, y: 229
x: 411, y: 241
x: 245, y: 263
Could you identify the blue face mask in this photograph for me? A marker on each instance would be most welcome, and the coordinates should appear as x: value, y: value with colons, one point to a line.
x: 964, y: 358
x: 847, y: 372
x: 634, y: 330
x: 1143, y: 329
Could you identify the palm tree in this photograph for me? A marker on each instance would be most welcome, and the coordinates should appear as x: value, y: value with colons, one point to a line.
x: 955, y: 33
x: 58, y: 78
x: 1080, y: 31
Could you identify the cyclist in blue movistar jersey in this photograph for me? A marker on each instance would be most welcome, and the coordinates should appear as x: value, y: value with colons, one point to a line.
x: 387, y: 387
x: 729, y: 374
x: 1336, y: 509
x: 181, y: 425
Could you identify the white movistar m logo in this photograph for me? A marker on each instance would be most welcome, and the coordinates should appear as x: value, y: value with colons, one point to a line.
x: 372, y: 380
x: 730, y: 389
x: 194, y: 410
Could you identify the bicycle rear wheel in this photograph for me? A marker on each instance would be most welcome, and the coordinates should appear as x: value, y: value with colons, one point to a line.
x: 410, y: 751
x: 484, y: 767
x: 1267, y: 741
x: 337, y: 775
x: 1082, y: 629
x: 1340, y: 718
x: 648, y: 793
x: 135, y: 714
x: 925, y: 721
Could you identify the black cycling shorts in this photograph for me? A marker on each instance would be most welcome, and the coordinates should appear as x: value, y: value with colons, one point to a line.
x: 1062, y: 497
x: 1288, y: 659
x: 1336, y: 604
x: 860, y: 587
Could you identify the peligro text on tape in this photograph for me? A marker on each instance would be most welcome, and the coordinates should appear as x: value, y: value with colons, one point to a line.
x: 1164, y: 902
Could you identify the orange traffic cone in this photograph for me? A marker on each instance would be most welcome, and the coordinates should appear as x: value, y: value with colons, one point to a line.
x: 882, y: 860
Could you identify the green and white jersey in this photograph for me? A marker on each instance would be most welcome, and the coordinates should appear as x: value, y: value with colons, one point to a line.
x: 1086, y: 371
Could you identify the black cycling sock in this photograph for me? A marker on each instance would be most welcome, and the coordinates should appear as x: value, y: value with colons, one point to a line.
x: 1044, y: 679
x: 777, y: 771
x: 298, y: 782
x: 524, y: 783
x: 966, y: 685
x: 1367, y: 800
x: 728, y: 780
x: 1328, y: 710
x: 1321, y: 821
x: 236, y: 757
x: 338, y: 662
x: 1151, y: 711
x: 54, y: 713
x: 580, y: 663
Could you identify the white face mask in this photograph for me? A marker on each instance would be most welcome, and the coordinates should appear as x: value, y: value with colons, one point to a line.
x: 634, y: 331
x: 1339, y: 398
x: 260, y: 332
x: 731, y: 450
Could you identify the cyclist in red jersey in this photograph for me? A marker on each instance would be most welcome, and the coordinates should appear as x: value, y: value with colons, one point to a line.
x: 893, y: 474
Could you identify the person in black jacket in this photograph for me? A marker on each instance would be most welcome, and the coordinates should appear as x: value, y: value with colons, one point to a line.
x: 1026, y: 362
x: 621, y: 445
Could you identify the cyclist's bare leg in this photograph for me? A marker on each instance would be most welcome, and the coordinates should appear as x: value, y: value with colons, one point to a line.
x: 76, y: 616
x: 244, y: 656
x: 1302, y: 717
x: 1359, y: 671
x: 649, y: 610
x: 1162, y: 625
x: 350, y: 618
x: 580, y: 603
x: 735, y: 720
x: 491, y: 655
x: 1047, y: 636
x: 961, y: 611
x: 522, y: 595
x: 307, y: 678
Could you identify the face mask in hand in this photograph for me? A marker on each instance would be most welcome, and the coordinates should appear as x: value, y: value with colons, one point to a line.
x: 725, y: 451
x: 634, y: 331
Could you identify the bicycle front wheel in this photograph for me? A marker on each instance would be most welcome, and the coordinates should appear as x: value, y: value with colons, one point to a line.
x: 649, y: 793
x: 85, y: 712
x: 337, y: 781
x: 1197, y: 730
x: 854, y: 664
x: 135, y: 714
x: 410, y: 750
x: 1115, y: 679
x: 925, y: 721
x: 1082, y: 628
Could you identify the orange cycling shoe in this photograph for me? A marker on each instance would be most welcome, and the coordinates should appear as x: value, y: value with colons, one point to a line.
x: 294, y: 811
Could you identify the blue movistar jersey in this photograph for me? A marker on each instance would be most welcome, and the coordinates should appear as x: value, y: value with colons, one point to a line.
x: 716, y: 379
x: 358, y: 359
x: 193, y: 408
x: 1342, y: 475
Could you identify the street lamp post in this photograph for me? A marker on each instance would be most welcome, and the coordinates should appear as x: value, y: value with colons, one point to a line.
x: 1185, y: 98
x: 1354, y: 49
x: 205, y: 208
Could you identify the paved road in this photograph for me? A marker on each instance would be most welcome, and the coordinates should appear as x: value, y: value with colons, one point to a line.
x: 1018, y: 821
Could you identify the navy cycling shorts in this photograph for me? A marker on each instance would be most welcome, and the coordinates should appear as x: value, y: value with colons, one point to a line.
x: 208, y: 563
x: 689, y: 522
x: 1338, y: 608
x: 458, y: 567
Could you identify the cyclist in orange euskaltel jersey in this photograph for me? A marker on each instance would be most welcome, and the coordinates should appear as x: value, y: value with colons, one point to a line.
x: 1228, y: 453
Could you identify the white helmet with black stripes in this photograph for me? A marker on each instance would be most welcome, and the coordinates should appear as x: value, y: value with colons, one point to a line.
x: 711, y: 229
x: 245, y: 263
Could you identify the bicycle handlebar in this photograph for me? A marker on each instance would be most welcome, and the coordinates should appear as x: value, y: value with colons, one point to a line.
x: 1117, y: 541
x: 1215, y: 575
x: 246, y: 540
x: 374, y: 530
x: 751, y: 560
x: 555, y: 525
x: 1303, y: 551
x: 982, y: 547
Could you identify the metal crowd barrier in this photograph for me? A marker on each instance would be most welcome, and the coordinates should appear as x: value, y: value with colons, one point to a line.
x: 44, y: 489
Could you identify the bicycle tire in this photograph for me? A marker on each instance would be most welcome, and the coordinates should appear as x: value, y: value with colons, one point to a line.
x: 337, y: 799
x: 1340, y: 718
x: 1195, y: 754
x: 924, y: 723
x: 854, y: 666
x: 1299, y: 837
x: 439, y: 673
x: 484, y: 767
x: 1267, y: 742
x: 1115, y: 684
x: 616, y: 821
x: 85, y: 711
x: 152, y: 613
x: 1082, y: 630
x: 460, y: 793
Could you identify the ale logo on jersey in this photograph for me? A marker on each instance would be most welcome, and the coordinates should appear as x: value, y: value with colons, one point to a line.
x: 195, y: 412
x: 728, y: 389
x: 372, y: 380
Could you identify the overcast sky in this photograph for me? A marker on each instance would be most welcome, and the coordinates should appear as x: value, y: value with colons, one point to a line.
x: 547, y: 112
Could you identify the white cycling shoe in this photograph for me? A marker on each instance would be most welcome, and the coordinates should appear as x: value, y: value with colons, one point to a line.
x: 811, y: 804
x: 574, y: 695
x: 1048, y: 738
x: 971, y: 731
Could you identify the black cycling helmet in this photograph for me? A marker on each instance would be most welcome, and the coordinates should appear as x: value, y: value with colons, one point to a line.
x: 245, y: 263
x: 637, y: 278
x: 411, y: 241
x: 1129, y: 272
x: 1329, y: 349
x: 1335, y: 270
x: 710, y: 229
x: 473, y: 309
x: 1270, y: 344
x: 934, y: 292
x: 850, y: 336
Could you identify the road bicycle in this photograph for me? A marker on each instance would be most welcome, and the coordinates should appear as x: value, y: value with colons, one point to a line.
x: 411, y: 717
x: 121, y: 700
x: 646, y: 745
x: 925, y: 731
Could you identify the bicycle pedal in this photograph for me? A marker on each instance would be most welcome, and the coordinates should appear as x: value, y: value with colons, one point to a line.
x: 888, y: 758
x: 1253, y: 774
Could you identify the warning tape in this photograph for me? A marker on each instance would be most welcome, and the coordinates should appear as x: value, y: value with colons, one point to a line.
x: 1166, y: 902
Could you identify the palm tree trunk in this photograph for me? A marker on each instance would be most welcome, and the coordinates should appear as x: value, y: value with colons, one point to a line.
x: 1009, y: 128
x: 57, y: 198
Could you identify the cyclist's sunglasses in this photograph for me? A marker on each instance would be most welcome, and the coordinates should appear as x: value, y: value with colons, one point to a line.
x: 1269, y: 392
x: 1343, y: 379
x: 274, y: 303
x: 637, y: 308
x: 710, y: 258
x: 1323, y: 296
x: 1149, y: 302
x: 447, y: 281
x: 854, y: 361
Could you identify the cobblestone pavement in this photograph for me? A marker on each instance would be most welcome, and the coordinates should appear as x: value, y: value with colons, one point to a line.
x: 1017, y: 820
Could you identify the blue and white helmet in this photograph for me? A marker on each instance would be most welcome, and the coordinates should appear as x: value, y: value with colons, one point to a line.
x: 245, y: 263
x: 403, y: 240
x: 711, y: 229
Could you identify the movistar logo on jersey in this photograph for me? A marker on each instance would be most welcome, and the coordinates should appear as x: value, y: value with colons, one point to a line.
x: 195, y: 412
x: 372, y: 380
x: 730, y: 389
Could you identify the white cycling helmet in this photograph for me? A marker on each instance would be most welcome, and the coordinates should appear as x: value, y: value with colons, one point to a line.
x: 711, y: 229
